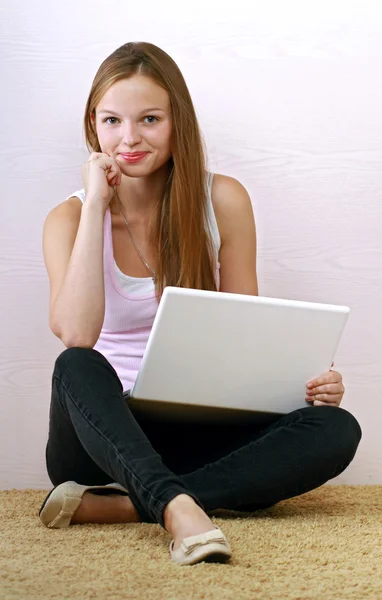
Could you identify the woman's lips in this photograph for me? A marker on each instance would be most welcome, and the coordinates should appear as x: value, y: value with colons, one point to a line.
x: 133, y: 158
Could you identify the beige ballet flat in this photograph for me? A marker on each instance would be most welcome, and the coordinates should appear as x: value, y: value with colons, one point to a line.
x: 212, y: 546
x: 63, y: 500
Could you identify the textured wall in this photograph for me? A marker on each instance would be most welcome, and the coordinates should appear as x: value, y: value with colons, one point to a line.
x: 289, y: 98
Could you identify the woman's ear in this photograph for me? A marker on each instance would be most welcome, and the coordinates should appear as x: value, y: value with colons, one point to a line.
x: 92, y: 117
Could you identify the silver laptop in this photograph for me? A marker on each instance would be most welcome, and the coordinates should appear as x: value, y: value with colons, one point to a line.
x: 221, y: 356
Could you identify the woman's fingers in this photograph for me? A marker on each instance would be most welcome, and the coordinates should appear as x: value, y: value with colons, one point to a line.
x: 326, y: 397
x: 107, y: 162
x: 100, y: 174
x: 328, y: 388
x: 112, y: 180
x: 114, y: 174
x: 320, y: 403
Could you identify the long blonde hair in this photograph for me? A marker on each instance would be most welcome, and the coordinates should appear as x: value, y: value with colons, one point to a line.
x: 184, y: 245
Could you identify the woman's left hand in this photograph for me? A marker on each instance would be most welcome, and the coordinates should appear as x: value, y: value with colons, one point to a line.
x: 325, y: 390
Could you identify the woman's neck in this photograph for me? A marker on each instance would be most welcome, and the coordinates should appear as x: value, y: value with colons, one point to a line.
x: 140, y: 195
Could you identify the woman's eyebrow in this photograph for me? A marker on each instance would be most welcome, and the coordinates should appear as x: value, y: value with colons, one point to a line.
x: 154, y: 108
x: 105, y: 110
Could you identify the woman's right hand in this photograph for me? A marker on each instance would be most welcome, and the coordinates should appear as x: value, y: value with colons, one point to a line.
x: 100, y: 174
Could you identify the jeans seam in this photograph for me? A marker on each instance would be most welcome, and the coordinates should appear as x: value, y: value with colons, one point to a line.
x: 161, y: 504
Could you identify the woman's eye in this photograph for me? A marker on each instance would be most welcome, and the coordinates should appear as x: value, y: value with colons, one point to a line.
x: 151, y: 117
x: 114, y: 120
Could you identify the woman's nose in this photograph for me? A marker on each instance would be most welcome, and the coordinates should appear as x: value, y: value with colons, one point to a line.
x: 131, y: 135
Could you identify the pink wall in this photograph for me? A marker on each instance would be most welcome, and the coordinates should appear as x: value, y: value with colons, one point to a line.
x: 289, y: 99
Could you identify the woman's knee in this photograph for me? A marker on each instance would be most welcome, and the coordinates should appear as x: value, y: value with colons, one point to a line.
x: 77, y: 366
x: 73, y: 357
x: 347, y: 423
x: 343, y: 429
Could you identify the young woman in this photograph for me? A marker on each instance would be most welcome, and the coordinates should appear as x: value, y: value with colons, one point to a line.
x: 151, y: 215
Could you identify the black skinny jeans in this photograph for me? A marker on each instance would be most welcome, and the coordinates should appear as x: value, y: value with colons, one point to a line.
x: 95, y: 439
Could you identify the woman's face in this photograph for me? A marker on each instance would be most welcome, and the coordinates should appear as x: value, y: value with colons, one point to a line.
x: 134, y: 116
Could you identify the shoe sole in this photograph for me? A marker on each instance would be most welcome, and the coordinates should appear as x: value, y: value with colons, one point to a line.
x: 217, y: 557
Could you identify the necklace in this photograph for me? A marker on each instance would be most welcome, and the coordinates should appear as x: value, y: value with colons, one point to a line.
x: 132, y: 240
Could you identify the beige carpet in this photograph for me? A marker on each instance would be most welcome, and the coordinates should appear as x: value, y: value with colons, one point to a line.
x: 326, y: 544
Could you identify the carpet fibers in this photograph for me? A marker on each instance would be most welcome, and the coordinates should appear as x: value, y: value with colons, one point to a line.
x: 325, y: 544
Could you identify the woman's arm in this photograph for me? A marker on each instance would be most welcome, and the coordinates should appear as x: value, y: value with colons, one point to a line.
x: 73, y: 254
x: 236, y: 223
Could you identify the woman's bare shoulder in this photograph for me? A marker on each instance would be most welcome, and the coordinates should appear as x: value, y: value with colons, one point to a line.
x: 67, y: 209
x: 230, y: 200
